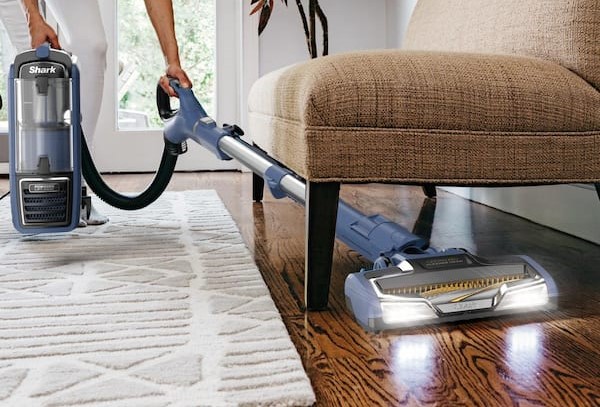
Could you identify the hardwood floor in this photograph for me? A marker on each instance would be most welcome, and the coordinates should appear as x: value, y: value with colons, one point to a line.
x: 543, y: 359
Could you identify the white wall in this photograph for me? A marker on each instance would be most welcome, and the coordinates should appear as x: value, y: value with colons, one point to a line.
x: 398, y: 15
x: 353, y: 25
x: 573, y: 209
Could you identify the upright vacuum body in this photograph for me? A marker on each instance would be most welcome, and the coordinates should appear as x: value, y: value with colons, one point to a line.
x: 44, y: 141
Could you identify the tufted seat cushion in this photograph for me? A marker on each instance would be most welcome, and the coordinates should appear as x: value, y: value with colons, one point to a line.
x: 419, y: 116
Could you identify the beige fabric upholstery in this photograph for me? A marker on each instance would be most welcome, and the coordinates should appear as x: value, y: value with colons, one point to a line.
x: 453, y: 118
x: 563, y: 31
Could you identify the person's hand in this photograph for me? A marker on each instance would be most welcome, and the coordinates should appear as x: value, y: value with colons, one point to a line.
x: 174, y: 71
x: 41, y: 32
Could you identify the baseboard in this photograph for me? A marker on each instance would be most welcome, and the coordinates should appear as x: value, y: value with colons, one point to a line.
x: 3, y: 168
x: 573, y: 209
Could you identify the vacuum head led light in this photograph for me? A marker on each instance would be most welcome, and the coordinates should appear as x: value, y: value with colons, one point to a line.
x: 446, y: 287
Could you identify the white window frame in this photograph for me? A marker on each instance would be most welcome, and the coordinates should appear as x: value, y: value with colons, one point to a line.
x: 117, y: 150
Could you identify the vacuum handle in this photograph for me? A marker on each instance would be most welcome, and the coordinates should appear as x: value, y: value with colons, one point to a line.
x: 163, y: 103
x: 43, y: 51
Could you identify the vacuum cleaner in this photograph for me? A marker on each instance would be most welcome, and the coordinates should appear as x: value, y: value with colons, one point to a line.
x: 47, y: 149
x: 410, y: 283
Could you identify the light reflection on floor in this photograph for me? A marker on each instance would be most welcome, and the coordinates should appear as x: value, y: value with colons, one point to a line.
x: 413, y: 360
x: 524, y: 353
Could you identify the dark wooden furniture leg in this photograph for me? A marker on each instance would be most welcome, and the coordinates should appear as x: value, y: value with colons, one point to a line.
x: 258, y: 184
x: 258, y: 187
x: 429, y: 190
x: 424, y: 223
x: 321, y: 214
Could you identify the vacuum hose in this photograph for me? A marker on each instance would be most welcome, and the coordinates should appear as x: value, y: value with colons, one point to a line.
x: 156, y: 187
x: 125, y: 202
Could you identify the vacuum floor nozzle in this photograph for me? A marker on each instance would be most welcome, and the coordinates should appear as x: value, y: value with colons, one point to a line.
x: 432, y: 288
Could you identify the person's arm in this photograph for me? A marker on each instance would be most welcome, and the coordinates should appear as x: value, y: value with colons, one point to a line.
x: 161, y: 16
x: 39, y: 30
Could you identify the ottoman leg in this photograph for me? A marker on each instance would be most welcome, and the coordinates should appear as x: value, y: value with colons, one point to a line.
x: 429, y: 190
x: 258, y: 184
x: 258, y: 187
x: 321, y: 214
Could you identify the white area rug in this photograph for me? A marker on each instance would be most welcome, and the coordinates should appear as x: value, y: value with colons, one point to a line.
x: 159, y: 307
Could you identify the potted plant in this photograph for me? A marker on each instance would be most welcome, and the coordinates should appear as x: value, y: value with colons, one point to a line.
x: 309, y: 23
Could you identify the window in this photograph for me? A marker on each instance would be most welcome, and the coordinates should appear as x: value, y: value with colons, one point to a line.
x: 128, y: 136
x: 138, y: 68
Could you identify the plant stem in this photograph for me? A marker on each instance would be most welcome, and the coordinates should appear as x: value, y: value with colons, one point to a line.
x: 304, y: 23
x: 325, y: 26
x: 312, y: 9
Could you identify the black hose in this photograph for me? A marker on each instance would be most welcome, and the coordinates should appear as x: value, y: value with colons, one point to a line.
x: 129, y: 203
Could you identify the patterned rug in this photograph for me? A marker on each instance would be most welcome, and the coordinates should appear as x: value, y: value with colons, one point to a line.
x: 159, y: 307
